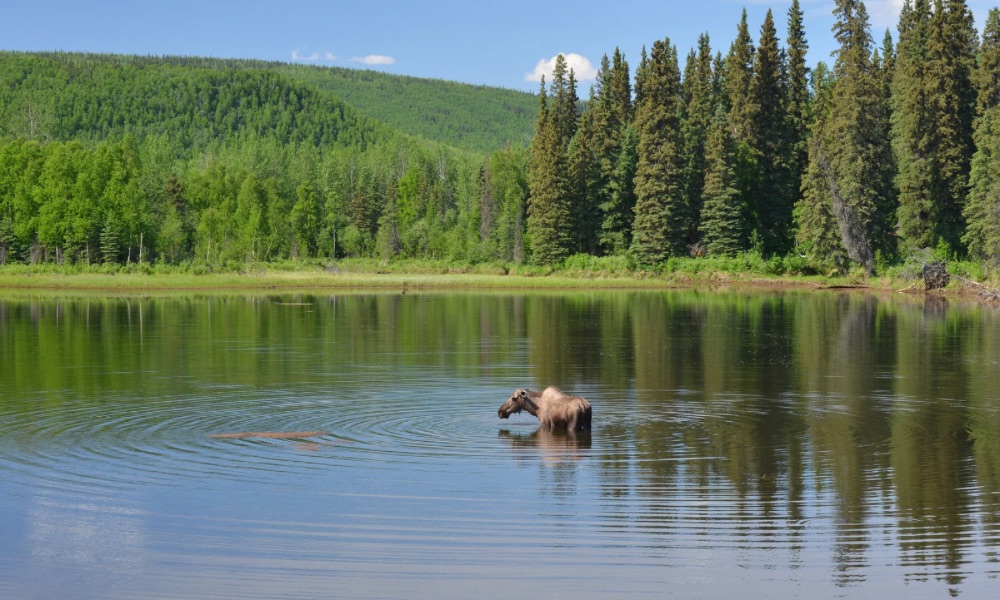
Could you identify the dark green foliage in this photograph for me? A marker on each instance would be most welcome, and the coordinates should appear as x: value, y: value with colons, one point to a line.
x: 595, y: 159
x: 586, y: 186
x: 850, y: 166
x: 934, y: 103
x: 699, y: 106
x: 982, y: 209
x: 661, y: 216
x: 773, y: 192
x: 797, y: 101
x: 619, y: 209
x: 744, y: 114
x: 723, y: 217
x: 987, y: 73
x: 952, y: 49
x: 109, y: 243
x: 550, y: 228
x: 739, y: 81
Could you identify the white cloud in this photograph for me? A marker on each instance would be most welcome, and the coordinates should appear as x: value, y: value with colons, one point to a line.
x: 374, y: 59
x: 884, y: 13
x: 307, y: 55
x: 582, y: 68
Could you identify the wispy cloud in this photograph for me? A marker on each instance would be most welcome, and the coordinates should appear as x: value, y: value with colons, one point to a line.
x: 374, y: 59
x: 582, y: 68
x: 307, y: 55
x: 884, y: 13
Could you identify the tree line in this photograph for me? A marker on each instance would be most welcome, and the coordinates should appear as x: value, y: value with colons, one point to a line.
x: 109, y: 159
x: 889, y: 150
x: 856, y: 165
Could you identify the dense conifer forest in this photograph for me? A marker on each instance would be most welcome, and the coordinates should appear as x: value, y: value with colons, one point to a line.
x: 890, y: 151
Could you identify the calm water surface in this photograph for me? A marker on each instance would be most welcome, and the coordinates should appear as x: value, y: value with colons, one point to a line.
x: 811, y: 445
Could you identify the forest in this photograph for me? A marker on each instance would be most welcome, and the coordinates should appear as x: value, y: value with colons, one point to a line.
x: 888, y: 152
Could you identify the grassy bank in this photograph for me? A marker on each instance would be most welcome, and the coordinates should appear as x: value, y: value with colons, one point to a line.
x: 575, y: 273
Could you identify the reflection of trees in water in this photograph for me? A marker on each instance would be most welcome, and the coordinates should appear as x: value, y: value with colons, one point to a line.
x: 885, y: 409
x: 931, y: 449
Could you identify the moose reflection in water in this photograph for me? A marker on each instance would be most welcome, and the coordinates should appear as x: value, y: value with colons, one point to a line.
x: 554, y: 409
x: 554, y: 446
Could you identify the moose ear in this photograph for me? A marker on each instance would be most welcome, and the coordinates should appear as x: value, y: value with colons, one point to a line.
x: 524, y: 394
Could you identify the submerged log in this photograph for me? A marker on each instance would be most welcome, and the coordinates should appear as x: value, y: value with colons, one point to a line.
x: 273, y: 435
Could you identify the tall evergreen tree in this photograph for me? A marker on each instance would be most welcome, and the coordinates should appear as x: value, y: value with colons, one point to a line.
x: 661, y: 217
x: 739, y: 81
x: 563, y: 111
x: 982, y: 209
x: 797, y: 101
x: 773, y: 193
x: 722, y: 221
x: 549, y: 226
x: 952, y: 48
x: 587, y: 186
x: 608, y: 113
x: 640, y: 77
x: 619, y: 210
x: 911, y: 125
x: 934, y: 103
x: 743, y: 112
x: 699, y: 98
x: 848, y: 182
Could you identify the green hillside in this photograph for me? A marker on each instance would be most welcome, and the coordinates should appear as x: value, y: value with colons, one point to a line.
x: 118, y: 159
x: 472, y: 117
x: 194, y: 103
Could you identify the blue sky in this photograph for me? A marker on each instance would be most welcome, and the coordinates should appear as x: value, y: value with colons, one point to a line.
x: 481, y: 42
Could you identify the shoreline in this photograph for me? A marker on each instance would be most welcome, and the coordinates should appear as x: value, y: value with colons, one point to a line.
x: 275, y: 280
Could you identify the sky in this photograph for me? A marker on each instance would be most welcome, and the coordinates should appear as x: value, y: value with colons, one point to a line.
x: 507, y: 44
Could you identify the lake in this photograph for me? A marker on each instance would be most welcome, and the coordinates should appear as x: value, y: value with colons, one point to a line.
x: 745, y: 444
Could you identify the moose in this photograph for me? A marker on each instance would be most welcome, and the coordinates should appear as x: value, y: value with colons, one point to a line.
x: 554, y: 409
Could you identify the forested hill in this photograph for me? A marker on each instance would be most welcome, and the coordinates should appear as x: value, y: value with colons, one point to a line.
x: 197, y: 100
x: 110, y: 160
x: 467, y: 116
x: 95, y: 97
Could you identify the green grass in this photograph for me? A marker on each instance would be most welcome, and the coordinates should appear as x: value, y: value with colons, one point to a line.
x: 577, y: 272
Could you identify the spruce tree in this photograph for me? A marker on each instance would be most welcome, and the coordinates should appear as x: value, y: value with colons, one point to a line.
x: 549, y: 226
x: 563, y: 110
x: 608, y: 113
x: 699, y: 98
x: 933, y: 102
x: 620, y: 90
x: 640, y: 77
x: 848, y: 181
x: 982, y: 209
x: 722, y: 221
x: 619, y: 210
x: 773, y: 194
x: 739, y: 80
x: 587, y: 186
x: 660, y: 214
x: 911, y: 125
x: 743, y: 112
x: 951, y: 49
x: 797, y: 101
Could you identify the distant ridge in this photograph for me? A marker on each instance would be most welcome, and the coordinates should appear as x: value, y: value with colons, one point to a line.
x: 92, y: 96
x: 473, y: 117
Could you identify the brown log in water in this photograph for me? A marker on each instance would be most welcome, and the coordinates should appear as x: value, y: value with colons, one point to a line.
x: 274, y: 435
